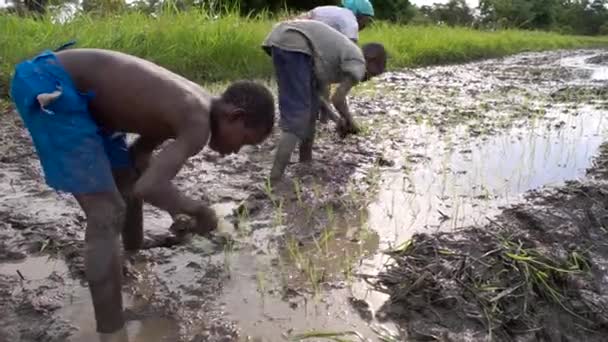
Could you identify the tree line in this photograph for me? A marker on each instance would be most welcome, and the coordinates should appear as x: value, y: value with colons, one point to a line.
x: 586, y: 17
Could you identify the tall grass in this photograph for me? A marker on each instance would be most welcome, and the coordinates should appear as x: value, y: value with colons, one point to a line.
x: 207, y: 48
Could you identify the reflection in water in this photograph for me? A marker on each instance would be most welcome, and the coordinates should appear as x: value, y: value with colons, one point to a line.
x: 456, y: 187
x: 459, y: 186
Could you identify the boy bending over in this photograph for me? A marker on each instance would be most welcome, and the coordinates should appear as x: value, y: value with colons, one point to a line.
x: 308, y: 56
x: 77, y: 104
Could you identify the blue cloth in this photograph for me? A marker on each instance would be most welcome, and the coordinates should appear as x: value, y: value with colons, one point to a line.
x: 77, y: 156
x: 298, y: 94
x: 362, y: 7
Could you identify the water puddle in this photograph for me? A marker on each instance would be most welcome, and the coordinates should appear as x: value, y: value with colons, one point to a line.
x: 460, y: 182
x: 272, y: 297
x: 597, y: 65
x: 464, y: 185
x: 49, y: 276
x: 34, y: 268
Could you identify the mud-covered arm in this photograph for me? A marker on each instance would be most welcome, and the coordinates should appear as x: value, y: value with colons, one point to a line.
x: 325, y: 106
x: 155, y: 185
x: 338, y: 99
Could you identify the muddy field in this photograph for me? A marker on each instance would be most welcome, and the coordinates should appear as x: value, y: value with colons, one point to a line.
x: 510, y: 145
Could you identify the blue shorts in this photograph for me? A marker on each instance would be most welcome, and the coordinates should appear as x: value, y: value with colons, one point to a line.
x: 77, y: 156
x: 298, y: 93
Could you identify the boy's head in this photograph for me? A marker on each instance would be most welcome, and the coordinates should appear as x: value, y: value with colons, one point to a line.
x: 243, y: 115
x: 363, y: 10
x: 363, y: 21
x: 375, y: 59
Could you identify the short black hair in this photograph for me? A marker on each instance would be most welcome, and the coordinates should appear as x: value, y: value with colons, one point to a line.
x: 375, y: 51
x: 257, y: 102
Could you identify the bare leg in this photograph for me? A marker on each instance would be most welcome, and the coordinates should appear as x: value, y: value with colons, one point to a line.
x: 287, y: 144
x: 105, y: 214
x: 324, y: 115
x: 133, y: 231
x: 306, y: 145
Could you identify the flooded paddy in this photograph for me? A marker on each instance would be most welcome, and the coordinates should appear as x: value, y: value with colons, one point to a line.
x: 443, y: 148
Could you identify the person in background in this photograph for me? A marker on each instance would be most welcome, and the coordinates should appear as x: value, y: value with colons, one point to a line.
x: 348, y: 20
x: 309, y: 55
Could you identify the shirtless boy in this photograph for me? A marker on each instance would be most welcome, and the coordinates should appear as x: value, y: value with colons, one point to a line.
x: 78, y: 103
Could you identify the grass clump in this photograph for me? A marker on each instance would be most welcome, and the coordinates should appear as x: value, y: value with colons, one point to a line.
x: 205, y: 47
x: 498, y: 286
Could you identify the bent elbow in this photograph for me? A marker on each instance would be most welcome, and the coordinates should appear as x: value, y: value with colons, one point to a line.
x: 141, y: 191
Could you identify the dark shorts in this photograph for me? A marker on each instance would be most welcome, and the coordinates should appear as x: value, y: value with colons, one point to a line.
x: 77, y: 156
x: 298, y: 94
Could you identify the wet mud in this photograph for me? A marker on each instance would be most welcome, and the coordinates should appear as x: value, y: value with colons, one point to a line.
x: 499, y: 142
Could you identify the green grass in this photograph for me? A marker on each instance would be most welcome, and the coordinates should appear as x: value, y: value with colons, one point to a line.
x: 205, y: 49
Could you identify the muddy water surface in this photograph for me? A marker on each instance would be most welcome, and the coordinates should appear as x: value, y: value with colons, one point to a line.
x: 442, y: 148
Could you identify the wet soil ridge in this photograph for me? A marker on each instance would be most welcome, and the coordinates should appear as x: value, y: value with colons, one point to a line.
x: 535, y: 273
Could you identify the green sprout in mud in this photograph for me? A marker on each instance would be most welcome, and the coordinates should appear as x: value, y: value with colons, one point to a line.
x: 260, y: 278
x: 326, y: 236
x: 305, y: 265
x: 352, y: 194
x: 342, y: 336
x: 329, y: 210
x: 242, y: 219
x: 540, y: 271
x: 298, y: 190
x: 365, y: 129
x: 283, y: 273
x: 278, y: 214
x: 347, y: 267
x: 363, y: 232
x: 372, y: 178
x: 268, y: 190
x: 457, y: 204
x: 537, y: 273
x: 228, y: 251
x: 384, y: 335
x: 316, y: 190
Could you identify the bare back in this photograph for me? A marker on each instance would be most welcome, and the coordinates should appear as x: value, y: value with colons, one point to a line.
x: 134, y: 95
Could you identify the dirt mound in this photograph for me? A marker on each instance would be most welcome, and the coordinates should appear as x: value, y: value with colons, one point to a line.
x: 580, y: 94
x: 600, y: 59
x: 533, y: 274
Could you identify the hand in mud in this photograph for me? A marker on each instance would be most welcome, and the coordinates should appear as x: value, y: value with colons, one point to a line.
x: 345, y: 128
x: 204, y: 222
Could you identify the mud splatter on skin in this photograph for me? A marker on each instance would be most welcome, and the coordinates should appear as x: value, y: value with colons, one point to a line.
x: 305, y: 239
